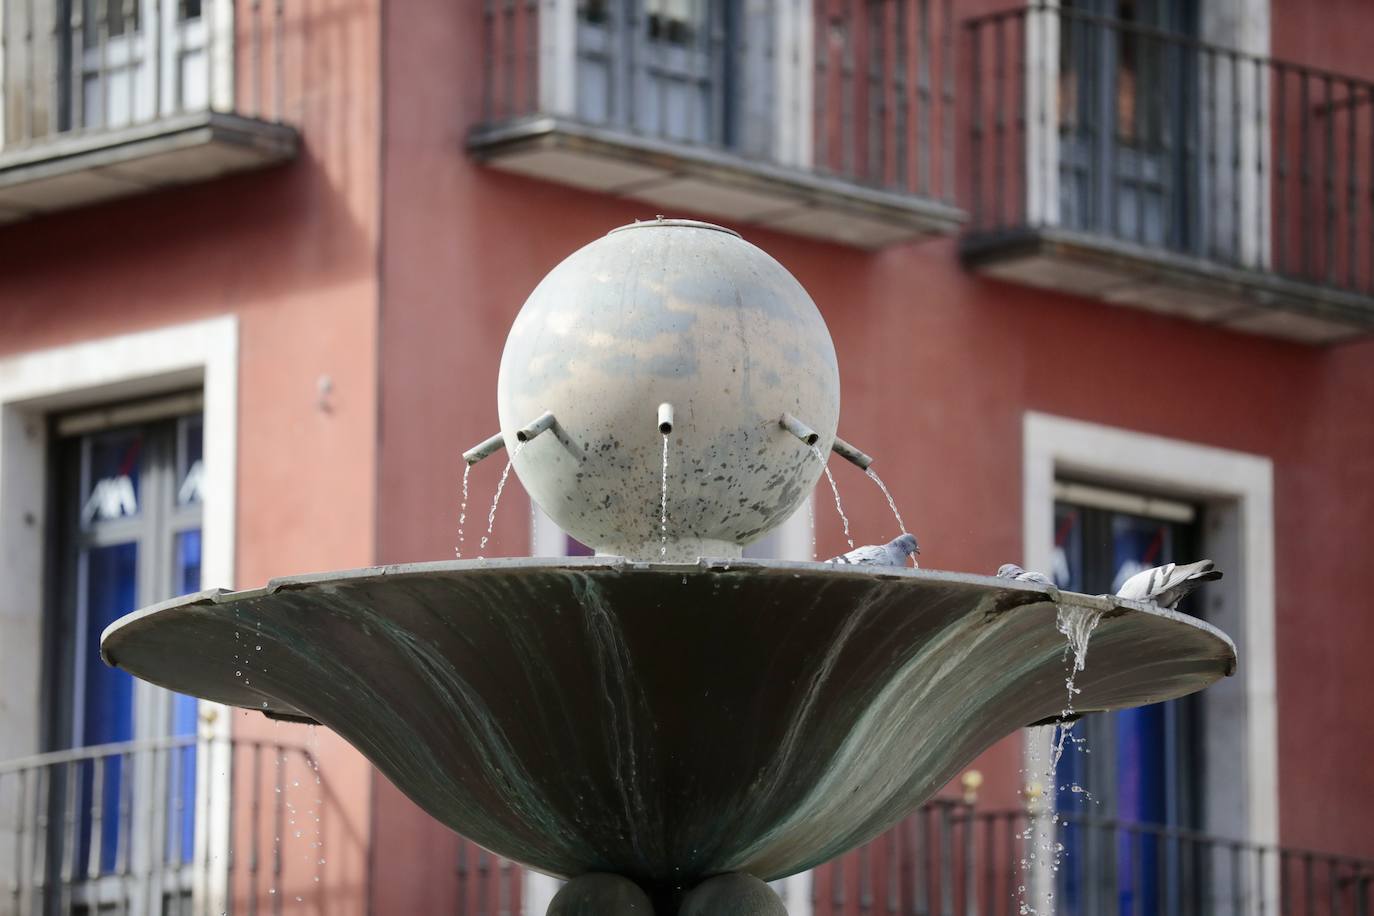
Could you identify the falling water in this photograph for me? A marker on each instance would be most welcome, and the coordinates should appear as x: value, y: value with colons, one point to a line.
x: 1077, y: 625
x: 663, y: 504
x: 844, y: 519
x: 496, y: 500
x: 462, y: 512
x: 811, y: 524
x: 891, y: 503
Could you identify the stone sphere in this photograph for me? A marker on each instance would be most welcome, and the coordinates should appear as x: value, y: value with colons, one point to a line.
x: 600, y: 894
x: 732, y: 895
x: 682, y: 313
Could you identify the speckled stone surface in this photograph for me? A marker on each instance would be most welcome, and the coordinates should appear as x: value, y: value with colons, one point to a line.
x: 686, y: 313
x: 667, y: 723
x: 601, y: 895
x: 732, y: 895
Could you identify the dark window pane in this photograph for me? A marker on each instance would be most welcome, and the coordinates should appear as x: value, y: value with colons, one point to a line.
x: 187, y: 562
x: 190, y: 460
x: 1068, y: 548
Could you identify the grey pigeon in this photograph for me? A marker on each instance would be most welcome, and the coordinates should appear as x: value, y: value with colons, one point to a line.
x: 1169, y: 584
x: 893, y: 553
x: 1012, y: 571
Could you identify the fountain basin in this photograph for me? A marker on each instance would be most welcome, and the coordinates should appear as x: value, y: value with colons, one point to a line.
x: 666, y: 722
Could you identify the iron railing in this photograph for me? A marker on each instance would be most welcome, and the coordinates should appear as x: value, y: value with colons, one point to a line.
x: 950, y: 859
x: 1147, y: 137
x: 859, y: 90
x: 172, y: 827
x: 72, y: 68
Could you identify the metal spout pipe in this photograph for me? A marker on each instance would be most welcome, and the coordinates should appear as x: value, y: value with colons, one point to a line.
x: 851, y: 454
x: 665, y: 418
x: 485, y: 449
x: 528, y: 432
x: 799, y: 429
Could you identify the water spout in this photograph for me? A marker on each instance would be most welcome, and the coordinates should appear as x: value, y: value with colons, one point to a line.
x: 849, y: 453
x: 665, y: 418
x: 663, y: 491
x: 529, y: 431
x: 485, y: 449
x: 799, y: 429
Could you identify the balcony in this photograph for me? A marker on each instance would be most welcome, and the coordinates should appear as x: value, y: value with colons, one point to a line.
x: 107, y: 98
x: 1132, y: 163
x: 830, y: 120
x: 170, y: 826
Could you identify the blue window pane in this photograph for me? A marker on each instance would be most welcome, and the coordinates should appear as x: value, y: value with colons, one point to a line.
x: 114, y: 487
x: 111, y: 592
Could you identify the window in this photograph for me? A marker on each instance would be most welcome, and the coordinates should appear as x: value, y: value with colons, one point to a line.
x: 682, y: 70
x: 1141, y: 766
x: 1127, y: 105
x: 128, y: 493
x: 126, y: 61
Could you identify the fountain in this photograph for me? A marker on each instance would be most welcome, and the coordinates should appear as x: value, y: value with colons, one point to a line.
x: 666, y: 724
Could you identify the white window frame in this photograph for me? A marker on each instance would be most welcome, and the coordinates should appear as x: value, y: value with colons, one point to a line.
x: 1237, y: 489
x: 36, y: 384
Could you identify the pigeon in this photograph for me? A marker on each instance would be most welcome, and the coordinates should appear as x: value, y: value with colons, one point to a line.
x: 1012, y: 571
x: 1169, y: 584
x: 893, y: 553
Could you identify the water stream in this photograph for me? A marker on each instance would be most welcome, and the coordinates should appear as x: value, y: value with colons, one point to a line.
x: 891, y: 503
x: 496, y: 500
x: 462, y: 512
x: 663, y: 504
x: 844, y: 519
x: 1077, y: 625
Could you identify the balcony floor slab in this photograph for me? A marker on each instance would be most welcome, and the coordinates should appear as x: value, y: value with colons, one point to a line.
x: 1250, y: 300
x: 710, y: 182
x: 79, y: 169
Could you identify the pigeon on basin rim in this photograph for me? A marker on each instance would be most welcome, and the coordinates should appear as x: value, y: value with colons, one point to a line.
x: 893, y: 553
x: 1169, y: 584
x: 1012, y: 571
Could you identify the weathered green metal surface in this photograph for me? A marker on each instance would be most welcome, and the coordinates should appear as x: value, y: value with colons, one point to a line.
x: 666, y: 723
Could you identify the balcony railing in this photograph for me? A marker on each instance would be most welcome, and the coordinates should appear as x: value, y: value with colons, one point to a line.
x: 102, y: 98
x: 1149, y: 168
x: 952, y: 859
x: 172, y: 827
x: 832, y: 119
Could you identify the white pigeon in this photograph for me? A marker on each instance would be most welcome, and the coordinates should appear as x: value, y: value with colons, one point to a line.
x: 1012, y: 571
x: 893, y: 553
x: 1169, y: 584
